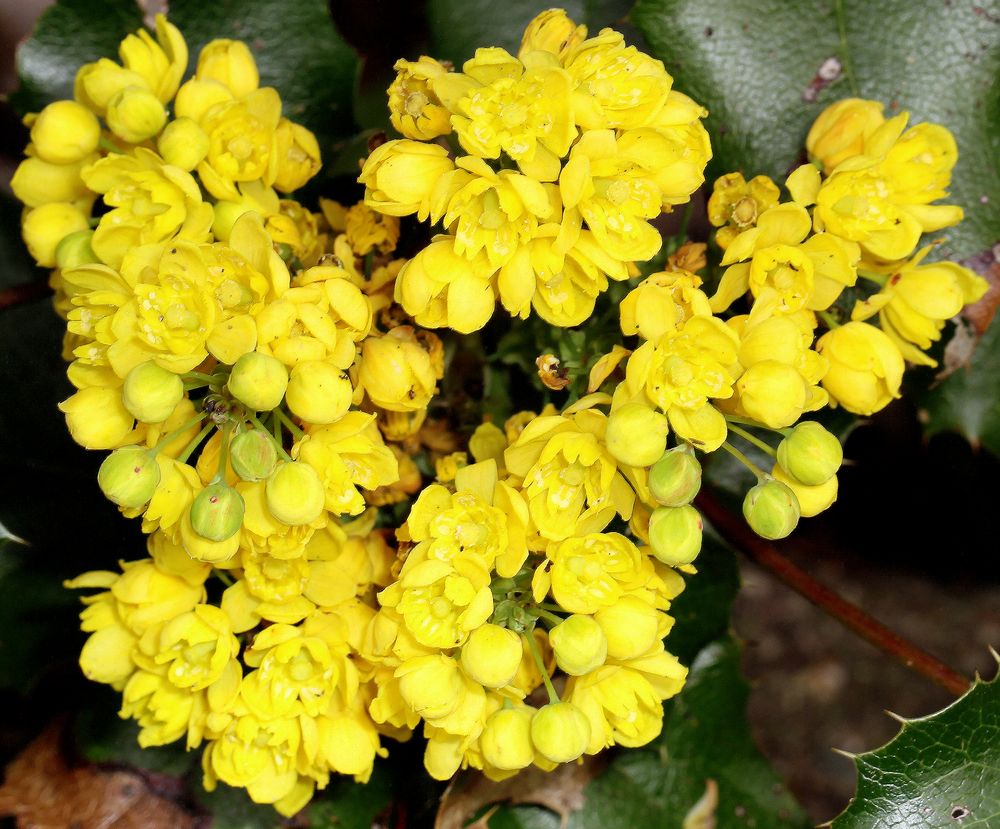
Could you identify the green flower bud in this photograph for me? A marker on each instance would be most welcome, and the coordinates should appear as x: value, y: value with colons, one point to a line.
x: 252, y: 456
x: 319, y: 392
x: 810, y: 454
x: 771, y: 509
x: 560, y: 732
x: 492, y: 655
x: 675, y: 534
x: 75, y: 250
x: 129, y: 476
x: 675, y: 478
x: 295, y: 494
x: 636, y: 434
x: 258, y: 381
x: 506, y: 738
x: 135, y: 114
x: 151, y: 393
x: 579, y: 644
x: 217, y: 512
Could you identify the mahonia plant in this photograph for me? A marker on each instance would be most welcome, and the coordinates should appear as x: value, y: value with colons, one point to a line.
x: 330, y: 564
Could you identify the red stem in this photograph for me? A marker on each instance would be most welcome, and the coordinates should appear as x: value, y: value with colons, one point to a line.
x: 21, y: 294
x: 734, y: 530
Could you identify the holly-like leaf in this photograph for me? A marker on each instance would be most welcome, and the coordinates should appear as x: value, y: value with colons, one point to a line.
x: 764, y: 72
x: 68, y: 35
x: 704, y: 766
x: 939, y: 772
x: 298, y: 50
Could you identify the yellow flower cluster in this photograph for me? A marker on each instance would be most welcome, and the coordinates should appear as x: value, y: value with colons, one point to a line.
x: 268, y: 383
x: 561, y: 158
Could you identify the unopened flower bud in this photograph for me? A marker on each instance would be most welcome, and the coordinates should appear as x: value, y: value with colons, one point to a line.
x: 97, y: 418
x: 560, y: 732
x: 579, y: 644
x: 675, y: 534
x: 231, y: 63
x: 506, y: 739
x: 217, y: 512
x: 135, y: 114
x: 430, y: 685
x: 630, y: 625
x: 45, y: 227
x: 675, y: 478
x: 129, y: 476
x: 492, y: 655
x: 75, y: 250
x: 319, y: 392
x: 258, y: 381
x: 252, y: 456
x: 151, y: 393
x: 65, y: 132
x: 771, y: 509
x: 295, y: 494
x: 841, y: 129
x: 183, y: 143
x: 810, y: 454
x: 812, y: 499
x: 552, y: 31
x: 636, y: 434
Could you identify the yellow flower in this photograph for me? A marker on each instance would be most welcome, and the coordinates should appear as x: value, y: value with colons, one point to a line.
x: 368, y: 230
x: 97, y: 418
x: 570, y: 480
x: 163, y: 710
x: 620, y: 706
x: 866, y: 368
x: 736, y: 203
x: 551, y: 31
x: 430, y: 685
x: 400, y: 177
x: 36, y: 182
x: 135, y: 115
x: 917, y: 300
x: 812, y: 499
x: 841, y: 131
x: 64, y: 133
x: 682, y: 371
x: 298, y: 156
x: 396, y: 371
x: 617, y: 86
x: 230, y: 63
x: 501, y: 105
x: 152, y: 202
x: 613, y: 194
x: 183, y: 144
x: 593, y: 571
x: 161, y: 63
x: 414, y: 108
x: 294, y: 674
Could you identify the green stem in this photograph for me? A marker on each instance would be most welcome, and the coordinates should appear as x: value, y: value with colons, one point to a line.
x: 537, y: 656
x: 829, y: 319
x: 207, y: 379
x: 544, y: 614
x: 751, y: 438
x: 164, y: 441
x: 224, y: 577
x: 743, y: 459
x: 878, y: 278
x: 685, y: 220
x: 295, y: 430
x: 183, y: 456
x: 277, y: 443
x: 845, y: 49
x: 220, y: 474
x: 105, y: 144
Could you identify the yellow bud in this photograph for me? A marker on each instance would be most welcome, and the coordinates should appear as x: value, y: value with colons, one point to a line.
x: 36, y: 182
x: 97, y: 418
x: 771, y: 509
x: 295, y: 494
x: 252, y: 456
x: 810, y: 454
x: 217, y: 512
x: 773, y: 393
x: 552, y: 31
x: 65, y: 132
x: 866, y: 367
x: 675, y: 534
x: 196, y: 97
x: 492, y: 655
x: 298, y: 156
x: 841, y: 129
x: 560, y: 732
x: 135, y: 114
x: 579, y: 644
x: 319, y: 392
x: 183, y: 143
x: 230, y: 63
x: 506, y: 739
x: 630, y: 625
x: 75, y: 250
x: 675, y: 478
x: 258, y: 381
x: 812, y: 499
x: 129, y: 476
x: 430, y: 685
x: 636, y: 435
x: 151, y: 393
x: 43, y: 228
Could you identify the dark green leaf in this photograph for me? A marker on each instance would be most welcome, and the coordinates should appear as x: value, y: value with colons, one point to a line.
x: 968, y: 401
x: 705, y: 738
x: 68, y: 35
x: 345, y: 804
x: 753, y: 63
x: 233, y: 809
x: 297, y: 48
x: 939, y: 771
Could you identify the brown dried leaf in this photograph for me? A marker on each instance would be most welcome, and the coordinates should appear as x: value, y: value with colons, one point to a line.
x: 560, y: 790
x: 691, y: 257
x: 42, y: 791
x: 702, y: 814
x: 551, y: 373
x: 981, y: 313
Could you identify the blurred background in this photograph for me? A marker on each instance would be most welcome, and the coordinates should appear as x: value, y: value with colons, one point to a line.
x: 912, y: 541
